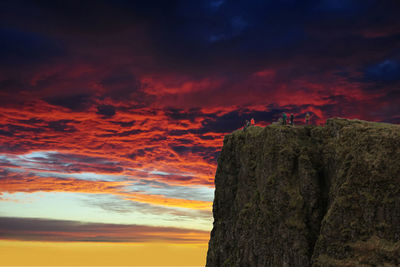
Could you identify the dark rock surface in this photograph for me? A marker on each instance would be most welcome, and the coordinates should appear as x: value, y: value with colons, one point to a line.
x: 308, y: 196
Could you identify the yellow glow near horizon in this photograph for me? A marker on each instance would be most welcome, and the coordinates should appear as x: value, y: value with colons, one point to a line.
x: 27, y: 253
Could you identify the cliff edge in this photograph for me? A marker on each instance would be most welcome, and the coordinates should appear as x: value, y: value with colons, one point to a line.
x: 308, y: 196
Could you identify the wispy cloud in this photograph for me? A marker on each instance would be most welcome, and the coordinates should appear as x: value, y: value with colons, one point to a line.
x: 31, y: 229
x: 127, y: 189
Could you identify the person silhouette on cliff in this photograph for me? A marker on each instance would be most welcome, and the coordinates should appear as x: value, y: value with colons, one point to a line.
x: 246, y: 124
x: 291, y: 119
x: 307, y: 118
x: 252, y: 122
x: 284, y: 118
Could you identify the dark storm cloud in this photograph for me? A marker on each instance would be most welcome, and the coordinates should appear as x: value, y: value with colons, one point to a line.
x: 386, y: 71
x: 6, y: 133
x: 121, y: 84
x: 208, y: 39
x: 78, y: 102
x: 124, y: 133
x: 20, y: 130
x: 209, y: 34
x: 390, y: 111
x: 31, y: 121
x: 20, y: 47
x: 245, y: 34
x: 141, y: 152
x: 180, y: 114
x: 205, y: 38
x: 32, y: 229
x: 235, y: 120
x: 235, y: 32
x: 178, y: 132
x: 62, y: 126
x: 124, y: 123
x: 191, y: 149
x: 11, y: 85
x: 106, y: 110
x: 34, y: 127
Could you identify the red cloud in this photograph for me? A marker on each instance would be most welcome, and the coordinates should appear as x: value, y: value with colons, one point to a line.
x: 140, y: 122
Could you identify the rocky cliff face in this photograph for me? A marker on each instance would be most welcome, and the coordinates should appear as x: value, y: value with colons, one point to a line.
x: 308, y: 196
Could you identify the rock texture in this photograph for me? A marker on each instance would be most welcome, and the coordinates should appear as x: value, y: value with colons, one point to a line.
x: 308, y: 196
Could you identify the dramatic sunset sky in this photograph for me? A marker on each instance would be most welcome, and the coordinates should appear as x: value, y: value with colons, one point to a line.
x: 112, y: 113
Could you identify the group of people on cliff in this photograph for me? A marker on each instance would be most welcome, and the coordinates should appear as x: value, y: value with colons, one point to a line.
x: 283, y: 120
x: 247, y: 124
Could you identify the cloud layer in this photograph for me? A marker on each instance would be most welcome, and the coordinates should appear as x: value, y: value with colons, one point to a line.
x: 132, y: 99
x: 31, y: 229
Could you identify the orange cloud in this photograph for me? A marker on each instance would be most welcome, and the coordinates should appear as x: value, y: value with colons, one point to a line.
x: 24, y: 182
x: 171, y: 202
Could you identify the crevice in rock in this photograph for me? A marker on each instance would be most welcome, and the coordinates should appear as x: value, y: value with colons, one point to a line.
x: 324, y: 192
x: 321, y: 196
x: 322, y: 207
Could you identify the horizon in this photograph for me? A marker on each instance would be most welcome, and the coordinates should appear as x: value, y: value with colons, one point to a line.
x: 113, y: 113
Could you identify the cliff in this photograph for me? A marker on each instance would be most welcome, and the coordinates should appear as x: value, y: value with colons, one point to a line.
x: 308, y: 196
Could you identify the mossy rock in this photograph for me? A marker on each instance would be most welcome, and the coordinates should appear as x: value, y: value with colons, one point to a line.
x: 308, y: 196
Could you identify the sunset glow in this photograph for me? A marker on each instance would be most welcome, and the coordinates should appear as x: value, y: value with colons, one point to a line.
x: 113, y: 113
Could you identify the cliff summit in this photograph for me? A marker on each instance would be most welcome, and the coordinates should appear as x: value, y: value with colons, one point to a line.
x: 308, y: 196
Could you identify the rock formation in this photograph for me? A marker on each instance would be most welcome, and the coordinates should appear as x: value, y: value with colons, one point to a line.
x: 308, y: 196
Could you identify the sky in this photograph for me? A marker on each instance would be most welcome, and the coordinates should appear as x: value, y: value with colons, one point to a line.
x: 113, y: 113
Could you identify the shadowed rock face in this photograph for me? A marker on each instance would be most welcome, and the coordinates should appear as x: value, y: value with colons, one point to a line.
x: 308, y: 196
